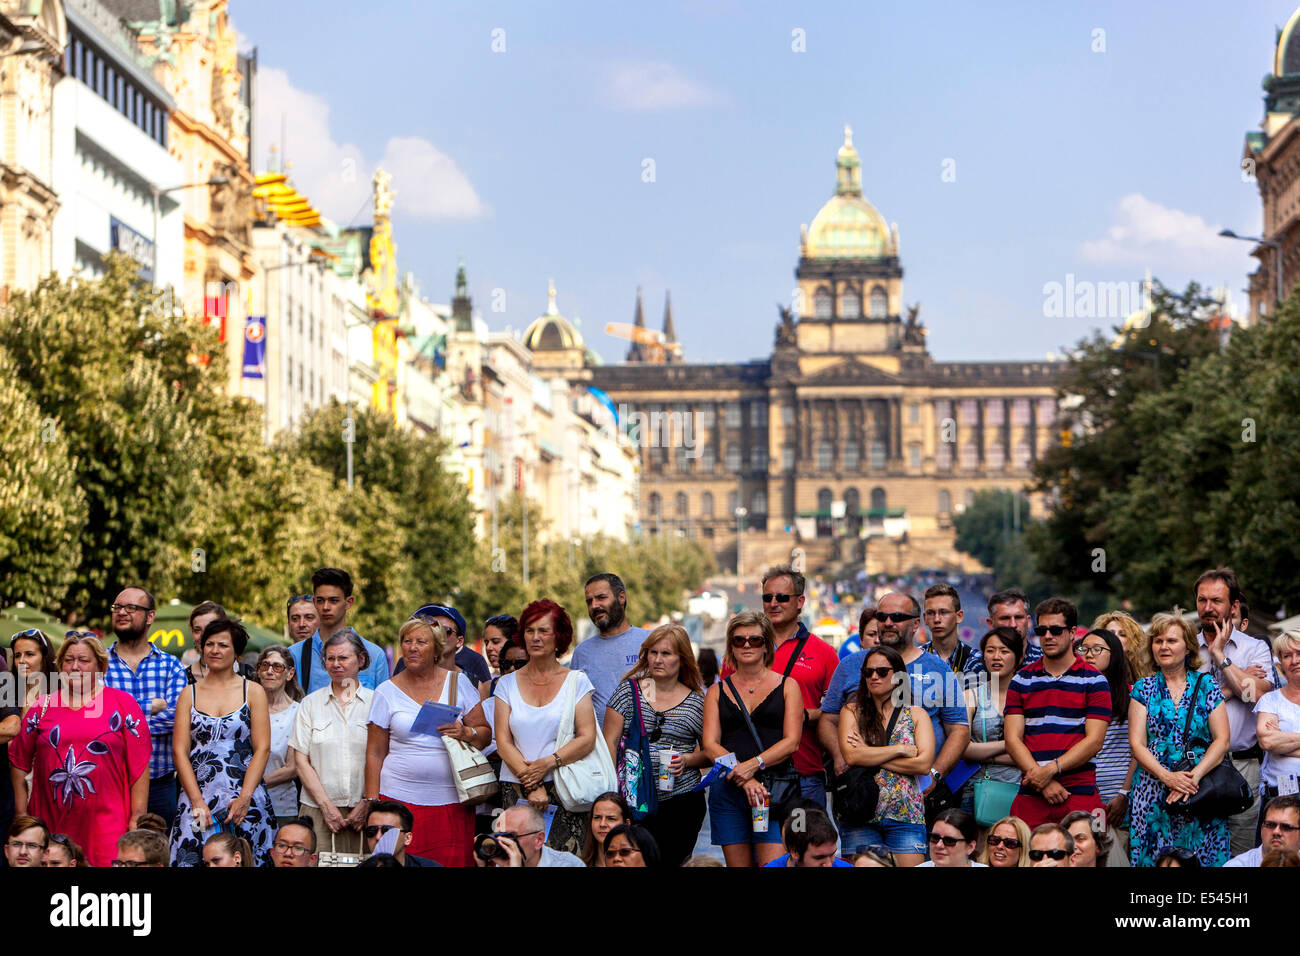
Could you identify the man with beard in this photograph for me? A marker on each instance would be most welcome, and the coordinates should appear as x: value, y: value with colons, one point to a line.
x: 1055, y: 722
x: 609, y: 655
x: 155, y: 680
x: 1242, y: 666
x: 933, y: 686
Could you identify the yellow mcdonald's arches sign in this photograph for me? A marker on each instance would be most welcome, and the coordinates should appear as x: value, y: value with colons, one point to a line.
x: 165, y: 638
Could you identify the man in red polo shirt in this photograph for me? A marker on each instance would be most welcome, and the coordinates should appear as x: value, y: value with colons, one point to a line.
x: 1055, y: 721
x: 783, y: 600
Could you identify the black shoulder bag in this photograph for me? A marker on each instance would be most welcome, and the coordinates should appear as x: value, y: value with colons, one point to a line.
x: 856, y: 792
x: 1223, y: 792
x: 782, y: 781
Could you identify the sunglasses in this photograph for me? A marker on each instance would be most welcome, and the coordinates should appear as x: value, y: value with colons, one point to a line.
x: 505, y: 664
x: 947, y: 841
x: 1011, y: 843
x: 375, y: 830
x: 748, y: 640
x: 34, y: 633
x: 1037, y: 855
x: 877, y: 672
x: 1275, y: 825
x: 778, y: 598
x: 1056, y: 629
x: 299, y: 598
x: 623, y: 852
x: 898, y: 617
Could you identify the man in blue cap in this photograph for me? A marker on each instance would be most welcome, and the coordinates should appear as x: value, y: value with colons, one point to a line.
x: 468, y: 660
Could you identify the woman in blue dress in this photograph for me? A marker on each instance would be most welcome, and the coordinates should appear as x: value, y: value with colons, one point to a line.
x: 1158, y: 708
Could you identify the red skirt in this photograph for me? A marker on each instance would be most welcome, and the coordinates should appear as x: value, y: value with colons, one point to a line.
x: 444, y: 834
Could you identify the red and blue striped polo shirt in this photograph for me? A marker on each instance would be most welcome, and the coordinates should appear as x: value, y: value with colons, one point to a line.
x: 1056, y: 712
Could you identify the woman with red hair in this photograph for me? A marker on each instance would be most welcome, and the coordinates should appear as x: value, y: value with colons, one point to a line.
x: 530, y: 708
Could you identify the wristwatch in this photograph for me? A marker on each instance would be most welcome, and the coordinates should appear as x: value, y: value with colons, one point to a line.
x: 1227, y: 662
x: 936, y: 774
x: 761, y: 765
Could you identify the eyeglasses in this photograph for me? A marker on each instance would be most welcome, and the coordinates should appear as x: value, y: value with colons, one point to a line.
x: 748, y: 640
x: 1281, y: 827
x: 948, y: 841
x: 898, y: 617
x: 622, y: 852
x: 129, y: 863
x: 1037, y: 855
x: 1056, y: 629
x: 129, y: 608
x: 1011, y: 843
x: 378, y: 829
x: 30, y: 847
x: 273, y: 666
x: 288, y: 849
x: 1091, y: 650
x: 877, y: 672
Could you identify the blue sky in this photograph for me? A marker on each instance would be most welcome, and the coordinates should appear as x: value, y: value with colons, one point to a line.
x: 529, y: 161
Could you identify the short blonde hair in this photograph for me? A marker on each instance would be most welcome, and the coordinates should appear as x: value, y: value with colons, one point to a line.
x: 1135, y: 642
x: 437, y: 631
x: 1284, y: 642
x: 752, y: 619
x: 1022, y: 834
x: 91, y: 641
x: 1164, y: 621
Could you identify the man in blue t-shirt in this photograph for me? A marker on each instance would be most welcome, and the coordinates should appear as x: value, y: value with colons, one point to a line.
x: 810, y: 839
x: 609, y: 655
x: 934, y: 687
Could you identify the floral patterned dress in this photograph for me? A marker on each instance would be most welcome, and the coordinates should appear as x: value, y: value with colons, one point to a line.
x: 83, y: 763
x: 1154, y: 828
x: 220, y: 749
x: 900, y: 797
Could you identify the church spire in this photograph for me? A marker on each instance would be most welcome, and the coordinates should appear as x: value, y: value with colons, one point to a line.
x: 635, y: 353
x: 670, y: 332
x: 848, y: 167
x: 461, y: 310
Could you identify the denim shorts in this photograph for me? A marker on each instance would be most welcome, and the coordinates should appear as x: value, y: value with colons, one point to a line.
x: 731, y: 818
x: 896, y: 836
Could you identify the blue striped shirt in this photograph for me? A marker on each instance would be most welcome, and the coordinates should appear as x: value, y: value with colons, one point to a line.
x: 157, y: 675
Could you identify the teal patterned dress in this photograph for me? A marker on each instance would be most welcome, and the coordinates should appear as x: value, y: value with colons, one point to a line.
x: 1154, y: 828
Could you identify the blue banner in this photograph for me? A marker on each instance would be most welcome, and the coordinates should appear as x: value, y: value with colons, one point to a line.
x: 254, y: 346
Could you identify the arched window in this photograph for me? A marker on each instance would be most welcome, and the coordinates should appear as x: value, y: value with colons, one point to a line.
x: 654, y: 504
x: 825, y: 458
x: 877, y: 455
x: 822, y: 304
x: 706, y: 505
x: 879, y: 303
x: 680, y: 504
x: 733, y: 502
x: 878, y: 499
x: 945, y: 501
x: 850, y: 305
x: 850, y: 456
x: 824, y: 499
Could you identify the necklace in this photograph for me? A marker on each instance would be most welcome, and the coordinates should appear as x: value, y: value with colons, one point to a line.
x: 542, y: 683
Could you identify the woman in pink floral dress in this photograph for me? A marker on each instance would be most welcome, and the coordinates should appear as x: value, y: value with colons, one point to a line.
x: 87, y: 748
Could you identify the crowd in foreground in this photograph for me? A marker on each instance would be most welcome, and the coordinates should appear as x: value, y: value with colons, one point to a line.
x: 1047, y: 744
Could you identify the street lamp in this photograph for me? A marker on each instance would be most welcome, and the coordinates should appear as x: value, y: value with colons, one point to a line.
x: 1277, y: 258
x: 159, y: 192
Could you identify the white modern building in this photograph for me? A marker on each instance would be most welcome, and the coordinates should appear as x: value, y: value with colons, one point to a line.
x: 110, y: 155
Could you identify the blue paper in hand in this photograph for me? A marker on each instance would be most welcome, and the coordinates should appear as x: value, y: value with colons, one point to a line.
x: 432, y: 716
x: 718, y: 772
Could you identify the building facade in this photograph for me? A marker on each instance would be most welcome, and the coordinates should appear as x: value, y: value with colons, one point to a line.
x: 850, y: 442
x: 1272, y: 158
x: 33, y: 35
x: 111, y: 154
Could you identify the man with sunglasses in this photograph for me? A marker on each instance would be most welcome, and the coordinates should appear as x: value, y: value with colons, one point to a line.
x: 1055, y: 722
x: 808, y: 660
x: 155, y: 679
x: 1279, y: 831
x: 1051, y: 845
x: 384, y: 816
x: 934, y: 687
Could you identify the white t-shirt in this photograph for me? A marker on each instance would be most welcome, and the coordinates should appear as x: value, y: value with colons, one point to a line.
x: 534, y: 729
x: 1288, y: 721
x: 972, y: 863
x: 1250, y: 857
x: 284, y: 796
x: 417, y: 769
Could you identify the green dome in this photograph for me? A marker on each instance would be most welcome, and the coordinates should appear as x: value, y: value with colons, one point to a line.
x: 848, y: 227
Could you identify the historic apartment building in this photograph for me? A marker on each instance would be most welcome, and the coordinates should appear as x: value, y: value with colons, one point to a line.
x: 850, y: 442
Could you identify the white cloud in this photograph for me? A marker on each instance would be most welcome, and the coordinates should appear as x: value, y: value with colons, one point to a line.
x: 1147, y: 233
x: 336, y: 176
x: 653, y: 86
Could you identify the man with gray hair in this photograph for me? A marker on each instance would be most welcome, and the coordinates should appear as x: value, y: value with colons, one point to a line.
x: 521, y: 832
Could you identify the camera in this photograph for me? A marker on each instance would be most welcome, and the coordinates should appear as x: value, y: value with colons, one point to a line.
x: 488, y: 848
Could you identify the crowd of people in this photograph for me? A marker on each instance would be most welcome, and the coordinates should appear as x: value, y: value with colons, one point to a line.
x: 1047, y: 744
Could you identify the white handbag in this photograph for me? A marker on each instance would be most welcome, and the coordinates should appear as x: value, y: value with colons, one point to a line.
x: 475, y: 781
x: 581, y: 782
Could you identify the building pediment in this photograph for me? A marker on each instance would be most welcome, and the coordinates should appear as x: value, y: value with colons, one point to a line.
x: 850, y: 372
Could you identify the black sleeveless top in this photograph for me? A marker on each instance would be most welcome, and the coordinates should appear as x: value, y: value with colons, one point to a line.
x: 768, y: 718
